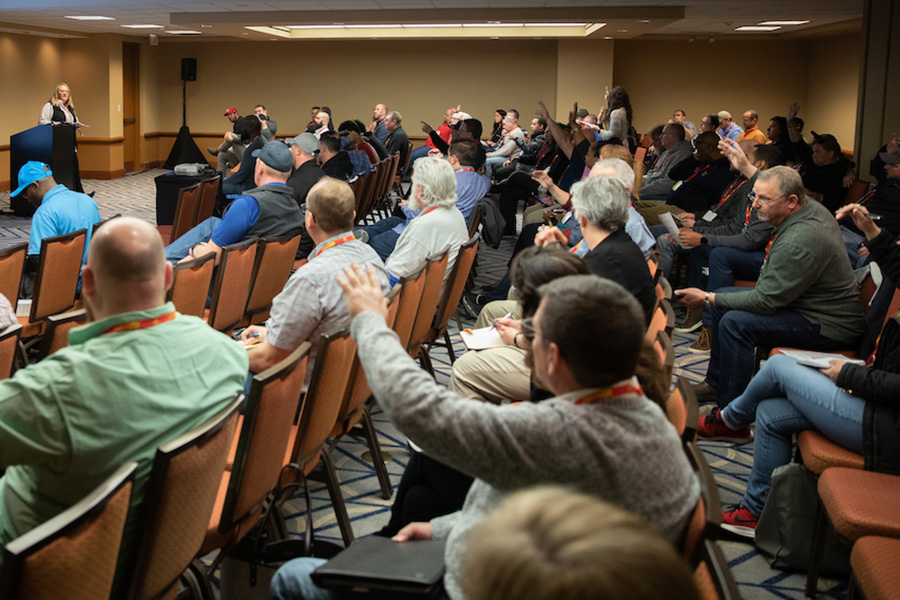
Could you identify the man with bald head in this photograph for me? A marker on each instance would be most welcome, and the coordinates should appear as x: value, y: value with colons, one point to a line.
x: 136, y: 376
x: 312, y: 302
x: 377, y: 125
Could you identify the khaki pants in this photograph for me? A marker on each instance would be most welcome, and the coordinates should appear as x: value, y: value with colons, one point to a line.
x: 651, y: 209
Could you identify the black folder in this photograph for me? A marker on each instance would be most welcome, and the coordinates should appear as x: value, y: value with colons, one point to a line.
x: 377, y: 567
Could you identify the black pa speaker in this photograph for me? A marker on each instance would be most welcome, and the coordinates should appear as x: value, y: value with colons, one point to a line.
x: 189, y: 69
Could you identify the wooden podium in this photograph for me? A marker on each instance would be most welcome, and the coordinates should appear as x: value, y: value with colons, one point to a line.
x: 51, y: 144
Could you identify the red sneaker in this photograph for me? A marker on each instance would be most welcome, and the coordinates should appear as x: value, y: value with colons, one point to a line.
x: 740, y: 521
x: 712, y: 427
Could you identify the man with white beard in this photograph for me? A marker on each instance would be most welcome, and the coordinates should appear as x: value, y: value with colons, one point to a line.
x: 440, y: 226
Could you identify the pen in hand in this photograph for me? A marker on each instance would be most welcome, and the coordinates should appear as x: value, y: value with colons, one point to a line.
x: 506, y: 316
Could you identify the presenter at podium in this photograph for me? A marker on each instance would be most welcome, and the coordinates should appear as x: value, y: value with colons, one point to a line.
x: 59, y: 110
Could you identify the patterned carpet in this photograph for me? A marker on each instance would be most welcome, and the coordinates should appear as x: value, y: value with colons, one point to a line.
x: 134, y: 195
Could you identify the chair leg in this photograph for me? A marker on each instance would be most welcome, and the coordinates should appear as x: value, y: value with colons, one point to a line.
x: 425, y: 361
x: 449, y: 347
x: 384, y: 480
x: 337, y: 499
x: 817, y: 551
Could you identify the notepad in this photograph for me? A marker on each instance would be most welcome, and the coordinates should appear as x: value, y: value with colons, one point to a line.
x: 481, y: 339
x: 819, y: 360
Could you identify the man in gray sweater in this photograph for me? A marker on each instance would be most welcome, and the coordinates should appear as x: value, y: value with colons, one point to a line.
x: 806, y: 295
x: 600, y: 434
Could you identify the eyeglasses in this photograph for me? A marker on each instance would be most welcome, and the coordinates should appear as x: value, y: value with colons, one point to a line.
x: 761, y: 200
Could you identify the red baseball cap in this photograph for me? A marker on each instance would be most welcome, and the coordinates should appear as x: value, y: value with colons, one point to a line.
x: 231, y: 110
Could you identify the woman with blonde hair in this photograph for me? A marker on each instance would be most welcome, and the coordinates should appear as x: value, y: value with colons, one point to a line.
x: 59, y: 109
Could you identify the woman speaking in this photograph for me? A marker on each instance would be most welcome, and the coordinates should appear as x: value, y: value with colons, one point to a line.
x: 60, y: 110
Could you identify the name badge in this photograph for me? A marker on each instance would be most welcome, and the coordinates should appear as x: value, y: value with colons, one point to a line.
x: 709, y: 216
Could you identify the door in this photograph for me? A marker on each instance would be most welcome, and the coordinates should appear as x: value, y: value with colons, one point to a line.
x: 131, y: 105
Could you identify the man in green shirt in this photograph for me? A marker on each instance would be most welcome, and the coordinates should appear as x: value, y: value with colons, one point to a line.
x: 135, y: 377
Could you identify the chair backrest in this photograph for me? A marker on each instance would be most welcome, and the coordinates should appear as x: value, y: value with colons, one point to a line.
x: 99, y: 224
x: 713, y: 576
x: 435, y: 270
x: 663, y: 320
x: 325, y: 396
x: 190, y: 285
x: 475, y: 219
x: 640, y: 154
x: 12, y: 262
x: 407, y: 157
x: 359, y: 391
x: 455, y: 287
x: 707, y: 515
x: 653, y: 266
x: 271, y: 270
x: 56, y: 334
x: 370, y: 186
x: 209, y: 189
x: 51, y: 561
x: 856, y: 191
x: 178, y: 502
x: 666, y: 351
x: 185, y: 210
x: 269, y: 415
x: 57, y: 276
x: 357, y: 186
x: 9, y: 343
x: 408, y: 304
x: 681, y: 409
x: 229, y: 297
x: 388, y: 180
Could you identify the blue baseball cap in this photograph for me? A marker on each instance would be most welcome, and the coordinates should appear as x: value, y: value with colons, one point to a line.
x: 276, y: 155
x: 30, y: 172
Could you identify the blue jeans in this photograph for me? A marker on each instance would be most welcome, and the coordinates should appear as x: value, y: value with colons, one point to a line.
x: 293, y: 581
x: 201, y: 233
x: 382, y: 236
x: 852, y: 242
x: 785, y: 398
x: 727, y: 264
x: 493, y: 161
x: 735, y: 334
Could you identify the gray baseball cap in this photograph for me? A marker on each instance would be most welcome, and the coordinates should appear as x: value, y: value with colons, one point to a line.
x: 307, y: 141
x: 276, y: 155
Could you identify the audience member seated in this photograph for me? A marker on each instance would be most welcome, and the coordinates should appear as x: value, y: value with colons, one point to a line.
x: 877, y: 165
x: 229, y: 153
x: 806, y: 295
x: 785, y: 398
x: 377, y: 127
x: 359, y: 159
x: 470, y: 188
x: 397, y: 140
x: 822, y: 165
x: 59, y: 210
x: 322, y: 124
x: 312, y: 302
x: 779, y: 137
x: 136, y: 376
x: 710, y: 122
x: 690, y: 130
x: 443, y: 132
x: 507, y: 147
x: 334, y: 161
x: 884, y: 202
x: 464, y: 129
x: 268, y: 210
x: 728, y: 247
x: 497, y: 129
x: 600, y: 434
x: 751, y: 131
x: 657, y: 183
x: 242, y: 179
x: 439, y: 228
x: 306, y: 170
x: 701, y: 179
x: 550, y: 543
x: 532, y: 150
x: 728, y: 129
x: 268, y: 127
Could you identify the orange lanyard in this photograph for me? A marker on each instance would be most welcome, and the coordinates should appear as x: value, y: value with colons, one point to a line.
x: 769, y: 246
x: 463, y: 170
x: 697, y: 172
x: 604, y: 393
x: 142, y: 324
x: 732, y: 190
x: 334, y: 243
x: 428, y: 211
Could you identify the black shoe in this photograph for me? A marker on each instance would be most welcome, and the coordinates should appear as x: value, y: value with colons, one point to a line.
x: 472, y: 304
x: 704, y: 392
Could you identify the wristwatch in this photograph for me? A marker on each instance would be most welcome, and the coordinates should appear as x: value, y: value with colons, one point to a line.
x: 706, y: 301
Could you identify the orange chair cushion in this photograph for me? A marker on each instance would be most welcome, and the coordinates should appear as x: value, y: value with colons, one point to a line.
x: 874, y: 562
x: 819, y: 453
x: 165, y: 231
x: 861, y: 503
x: 229, y: 463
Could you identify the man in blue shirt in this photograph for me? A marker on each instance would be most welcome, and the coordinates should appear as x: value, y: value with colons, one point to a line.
x: 268, y: 210
x: 59, y: 211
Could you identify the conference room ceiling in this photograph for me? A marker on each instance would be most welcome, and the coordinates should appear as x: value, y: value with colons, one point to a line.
x: 701, y: 20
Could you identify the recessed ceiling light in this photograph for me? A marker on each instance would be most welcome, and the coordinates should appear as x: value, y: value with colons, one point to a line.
x: 206, y: 26
x: 373, y: 26
x: 644, y: 21
x: 555, y: 24
x: 607, y: 37
x: 90, y: 18
x: 147, y: 26
x: 417, y: 25
x: 623, y: 31
x: 315, y: 26
x: 182, y: 32
x: 493, y: 24
x: 757, y: 28
x: 783, y: 23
